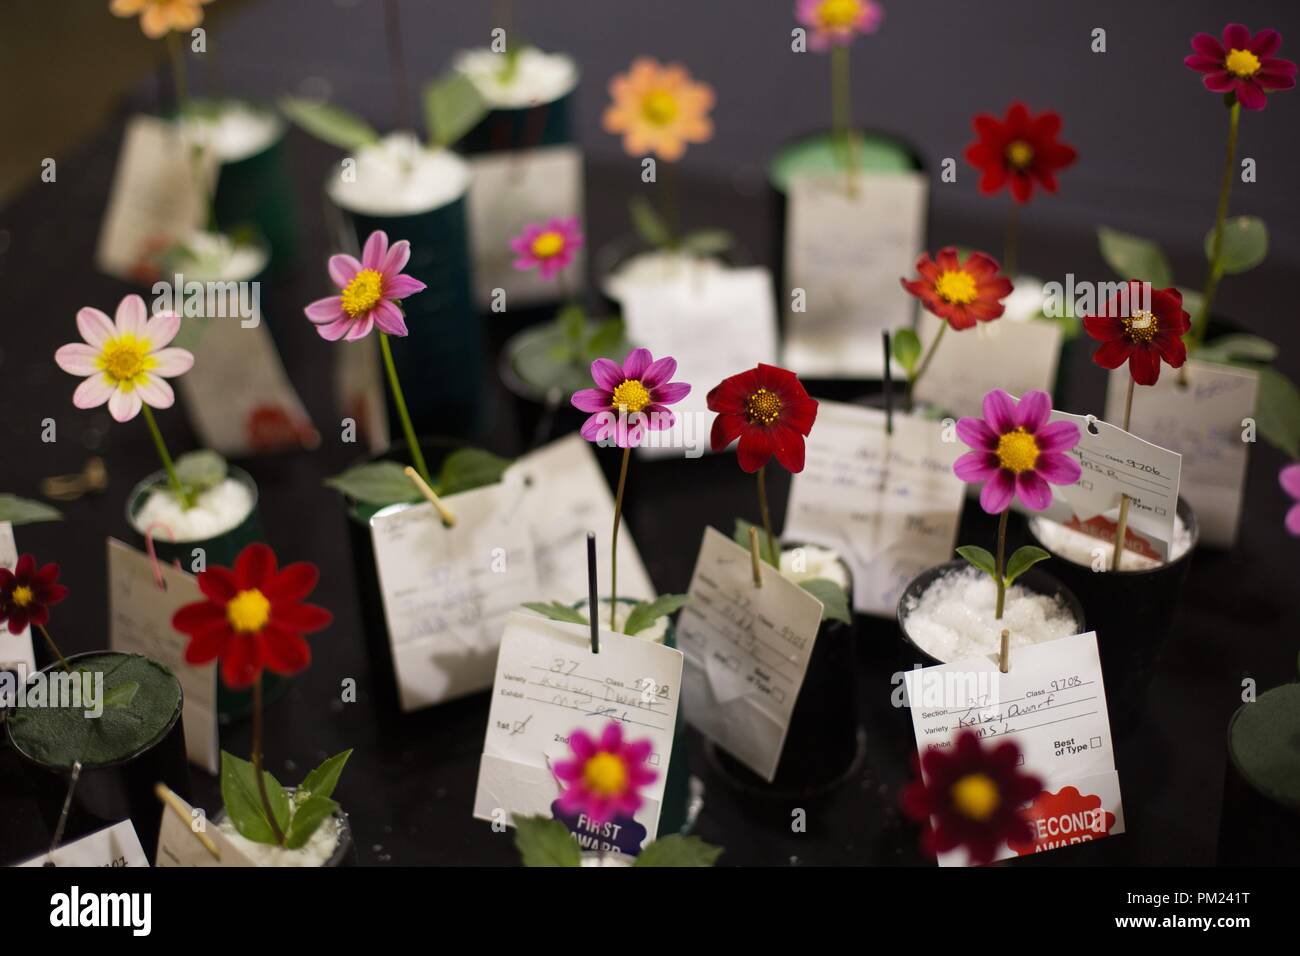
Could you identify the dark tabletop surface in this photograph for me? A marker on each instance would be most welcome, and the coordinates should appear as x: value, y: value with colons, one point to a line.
x: 410, y: 784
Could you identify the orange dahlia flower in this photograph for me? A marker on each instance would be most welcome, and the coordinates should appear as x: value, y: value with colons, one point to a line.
x: 658, y: 109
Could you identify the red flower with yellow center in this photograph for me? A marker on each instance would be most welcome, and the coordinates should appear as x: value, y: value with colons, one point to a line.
x: 1243, y: 65
x: 27, y: 593
x: 1141, y: 336
x: 1021, y: 150
x: 768, y: 409
x: 960, y: 293
x: 253, y: 617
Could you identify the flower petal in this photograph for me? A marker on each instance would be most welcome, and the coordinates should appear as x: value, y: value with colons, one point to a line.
x: 1289, y: 479
x: 123, y: 405
x: 254, y: 567
x: 1034, y: 409
x: 976, y: 433
x: 161, y: 329
x: 976, y: 466
x: 132, y: 316
x: 1058, y: 469
x: 1000, y: 411
x: 669, y: 393
x: 284, y: 651
x: 293, y: 582
x: 1033, y: 490
x: 607, y: 374
x: 372, y: 256
x: 77, y: 359
x: 754, y: 450
x: 591, y: 400
x: 399, y: 254
x: 402, y: 287
x: 95, y: 327
x: 303, y: 618
x: 156, y: 393
x: 996, y: 495
x: 1057, y: 437
x: 343, y: 269
x: 173, y: 361
x: 329, y: 309
x: 218, y: 583
x: 389, y: 318
x: 242, y: 660
x: 636, y: 363
x: 1293, y: 520
x: 660, y: 372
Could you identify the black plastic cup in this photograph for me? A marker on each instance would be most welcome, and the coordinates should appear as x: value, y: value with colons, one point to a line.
x: 258, y: 191
x: 825, y: 743
x: 109, y: 793
x: 1132, y: 613
x: 1260, y: 822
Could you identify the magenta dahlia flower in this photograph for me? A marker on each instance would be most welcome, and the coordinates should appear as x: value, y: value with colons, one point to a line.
x: 604, y: 778
x: 1242, y: 65
x: 629, y: 398
x: 1289, y: 479
x: 370, y: 291
x: 1017, y: 451
x: 547, y: 247
x: 837, y: 22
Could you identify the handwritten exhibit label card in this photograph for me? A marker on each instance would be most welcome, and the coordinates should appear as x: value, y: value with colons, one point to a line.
x: 747, y: 650
x: 713, y: 322
x: 446, y: 591
x: 114, y: 846
x: 548, y: 684
x: 508, y: 191
x: 888, y: 504
x: 1116, y: 463
x: 1015, y: 356
x: 16, y: 653
x: 140, y: 622
x: 846, y: 253
x: 179, y: 843
x: 156, y: 198
x: 1052, y: 704
x: 1203, y: 422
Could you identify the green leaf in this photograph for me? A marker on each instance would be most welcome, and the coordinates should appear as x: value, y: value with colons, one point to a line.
x: 557, y: 612
x: 649, y: 225
x: 452, y: 107
x: 1238, y: 348
x: 835, y: 602
x: 741, y: 537
x: 907, y: 349
x: 707, y: 242
x: 1023, y: 559
x: 468, y: 468
x: 605, y: 340
x: 307, y: 818
x: 572, y: 321
x: 375, y: 483
x: 201, y: 470
x: 18, y: 511
x: 678, y: 850
x: 647, y: 612
x: 1277, y: 411
x: 1132, y: 257
x: 542, y: 841
x: 321, y: 781
x: 121, y: 695
x: 981, y: 558
x: 329, y: 123
x: 1245, y: 244
x: 243, y: 803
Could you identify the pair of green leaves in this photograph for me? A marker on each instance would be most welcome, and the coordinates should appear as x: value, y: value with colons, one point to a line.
x: 298, y: 816
x: 1020, y: 561
x: 16, y: 510
x: 1245, y: 245
x: 655, y: 232
x: 383, y: 483
x: 834, y: 599
x: 583, y: 342
x: 542, y: 841
x: 643, y: 614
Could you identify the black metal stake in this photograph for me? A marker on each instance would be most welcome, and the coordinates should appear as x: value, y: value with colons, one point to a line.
x: 592, y: 607
x: 889, y: 387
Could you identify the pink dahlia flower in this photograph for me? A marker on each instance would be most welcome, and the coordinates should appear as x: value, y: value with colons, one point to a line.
x: 604, y: 778
x: 629, y: 398
x: 1243, y: 65
x: 1289, y: 478
x: 369, y: 292
x: 548, y: 247
x: 837, y: 22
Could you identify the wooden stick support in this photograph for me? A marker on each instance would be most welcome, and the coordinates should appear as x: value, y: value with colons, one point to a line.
x: 593, y: 607
x: 754, y: 556
x: 448, y: 517
x: 173, y: 803
x: 888, y: 386
x: 1004, y: 655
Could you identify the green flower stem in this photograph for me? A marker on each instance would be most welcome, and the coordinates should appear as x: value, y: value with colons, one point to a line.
x: 842, y: 113
x: 1009, y: 242
x: 257, y: 761
x: 1216, y: 247
x: 613, y: 541
x: 177, y: 56
x: 767, y: 519
x: 1121, y: 528
x: 925, y: 364
x: 173, y: 479
x: 1002, y: 561
x: 417, y: 457
x: 54, y: 647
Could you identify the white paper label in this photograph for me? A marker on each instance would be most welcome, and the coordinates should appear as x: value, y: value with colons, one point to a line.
x: 846, y: 253
x: 179, y: 844
x: 747, y: 650
x: 888, y: 504
x: 15, y: 649
x: 113, y: 846
x: 1016, y: 356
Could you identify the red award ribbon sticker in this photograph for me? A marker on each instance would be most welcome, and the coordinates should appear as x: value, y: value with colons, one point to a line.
x: 1063, y: 819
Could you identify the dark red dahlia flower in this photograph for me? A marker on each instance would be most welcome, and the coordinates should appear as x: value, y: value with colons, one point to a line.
x: 768, y: 409
x: 1021, y: 149
x: 1130, y: 331
x: 253, y: 617
x: 27, y: 594
x: 960, y: 294
x: 972, y: 796
x: 1242, y: 65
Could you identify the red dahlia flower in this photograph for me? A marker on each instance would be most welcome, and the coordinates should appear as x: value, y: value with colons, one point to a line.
x: 769, y: 411
x: 1243, y: 65
x: 27, y: 594
x: 1021, y: 149
x: 253, y: 617
x: 972, y: 797
x: 1141, y: 337
x: 960, y: 294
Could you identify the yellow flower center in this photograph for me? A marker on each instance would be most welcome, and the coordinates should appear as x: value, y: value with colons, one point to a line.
x: 1020, y: 154
x: 1018, y: 451
x: 957, y: 287
x: 605, y: 775
x: 23, y: 595
x: 1141, y: 326
x: 659, y: 107
x: 763, y: 407
x: 976, y: 796
x: 548, y: 244
x: 632, y: 395
x: 1242, y: 63
x: 363, y: 292
x: 839, y: 14
x: 125, y: 359
x: 248, y: 611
